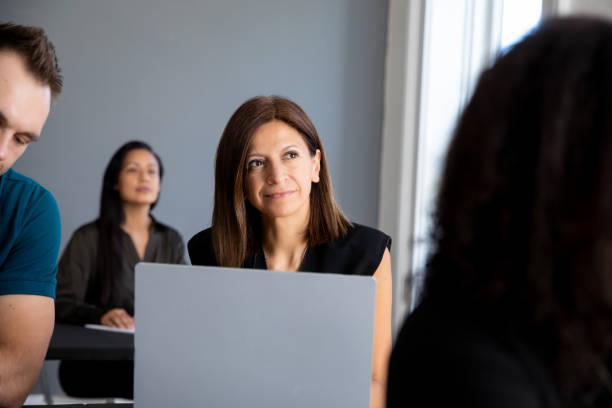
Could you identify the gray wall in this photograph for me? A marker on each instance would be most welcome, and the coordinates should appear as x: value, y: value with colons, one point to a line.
x: 172, y: 73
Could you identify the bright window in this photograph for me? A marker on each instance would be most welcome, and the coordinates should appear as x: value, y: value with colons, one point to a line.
x: 455, y: 50
x: 518, y: 18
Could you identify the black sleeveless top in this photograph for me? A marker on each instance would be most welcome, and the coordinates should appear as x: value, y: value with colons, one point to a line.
x: 359, y: 252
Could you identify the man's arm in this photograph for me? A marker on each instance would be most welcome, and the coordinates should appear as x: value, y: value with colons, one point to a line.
x: 26, y: 325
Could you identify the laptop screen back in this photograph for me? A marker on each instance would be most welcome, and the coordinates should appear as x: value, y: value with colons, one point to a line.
x: 222, y: 337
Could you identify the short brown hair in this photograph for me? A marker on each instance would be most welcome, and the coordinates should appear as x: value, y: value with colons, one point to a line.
x: 39, y: 53
x: 236, y: 225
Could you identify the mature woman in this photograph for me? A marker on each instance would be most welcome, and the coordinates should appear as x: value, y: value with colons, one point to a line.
x: 517, y: 306
x: 275, y: 209
x: 96, y: 270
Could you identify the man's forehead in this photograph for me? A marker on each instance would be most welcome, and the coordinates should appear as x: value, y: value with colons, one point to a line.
x: 24, y: 101
x: 13, y: 69
x: 13, y: 66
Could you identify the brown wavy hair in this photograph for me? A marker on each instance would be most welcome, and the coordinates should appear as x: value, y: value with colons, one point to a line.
x: 236, y: 224
x: 37, y: 51
x: 523, y: 220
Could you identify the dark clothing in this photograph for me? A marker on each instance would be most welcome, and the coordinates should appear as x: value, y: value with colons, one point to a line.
x: 97, y: 379
x: 359, y: 252
x: 444, y: 357
x: 29, y: 237
x: 78, y: 287
x: 78, y: 302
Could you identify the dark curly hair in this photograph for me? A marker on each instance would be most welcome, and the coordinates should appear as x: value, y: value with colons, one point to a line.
x: 523, y: 221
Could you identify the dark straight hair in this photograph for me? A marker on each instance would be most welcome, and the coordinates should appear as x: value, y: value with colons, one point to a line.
x: 236, y: 224
x: 110, y: 240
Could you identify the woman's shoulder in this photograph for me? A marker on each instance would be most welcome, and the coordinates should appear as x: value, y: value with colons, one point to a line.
x: 86, y: 231
x: 358, y: 252
x: 84, y: 240
x: 361, y: 239
x: 200, y: 249
x: 167, y: 231
x: 363, y: 236
x: 203, y: 237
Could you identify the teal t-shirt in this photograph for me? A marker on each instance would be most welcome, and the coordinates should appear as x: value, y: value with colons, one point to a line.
x: 29, y: 237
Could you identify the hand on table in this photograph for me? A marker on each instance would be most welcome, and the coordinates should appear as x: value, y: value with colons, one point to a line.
x: 117, y: 318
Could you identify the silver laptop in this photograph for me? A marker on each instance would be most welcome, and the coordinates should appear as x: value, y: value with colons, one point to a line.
x: 222, y: 337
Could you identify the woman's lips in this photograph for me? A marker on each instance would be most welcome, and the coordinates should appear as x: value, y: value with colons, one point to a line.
x: 280, y: 194
x: 143, y: 189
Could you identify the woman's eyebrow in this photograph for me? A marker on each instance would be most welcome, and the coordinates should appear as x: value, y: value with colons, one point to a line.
x: 127, y: 163
x: 291, y: 146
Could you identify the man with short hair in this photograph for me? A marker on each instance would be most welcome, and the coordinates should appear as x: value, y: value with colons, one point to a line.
x: 29, y: 217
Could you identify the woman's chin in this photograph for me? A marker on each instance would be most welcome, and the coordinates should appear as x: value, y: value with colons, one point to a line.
x: 139, y: 202
x: 284, y: 212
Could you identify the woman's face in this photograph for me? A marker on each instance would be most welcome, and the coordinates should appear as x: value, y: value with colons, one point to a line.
x: 139, y: 181
x: 280, y: 171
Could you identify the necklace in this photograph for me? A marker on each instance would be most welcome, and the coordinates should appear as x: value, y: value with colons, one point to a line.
x: 299, y: 265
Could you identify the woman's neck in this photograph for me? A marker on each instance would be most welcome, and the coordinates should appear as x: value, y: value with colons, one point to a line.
x: 284, y: 242
x: 136, y: 218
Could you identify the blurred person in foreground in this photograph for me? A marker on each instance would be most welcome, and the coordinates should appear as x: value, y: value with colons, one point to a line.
x: 517, y: 304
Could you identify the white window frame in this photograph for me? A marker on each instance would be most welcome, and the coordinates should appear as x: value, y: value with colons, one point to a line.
x: 403, y: 123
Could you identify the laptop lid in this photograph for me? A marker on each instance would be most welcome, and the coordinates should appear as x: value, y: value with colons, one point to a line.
x: 224, y: 337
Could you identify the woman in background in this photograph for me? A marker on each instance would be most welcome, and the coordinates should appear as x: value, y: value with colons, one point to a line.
x: 517, y: 304
x: 96, y: 270
x: 275, y: 209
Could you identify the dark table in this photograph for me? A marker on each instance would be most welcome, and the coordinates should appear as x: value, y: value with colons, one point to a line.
x: 84, y: 405
x: 71, y: 342
x: 78, y: 343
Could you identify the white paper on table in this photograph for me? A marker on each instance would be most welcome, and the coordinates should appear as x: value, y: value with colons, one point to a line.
x: 108, y: 328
